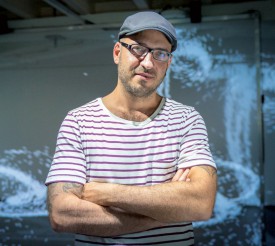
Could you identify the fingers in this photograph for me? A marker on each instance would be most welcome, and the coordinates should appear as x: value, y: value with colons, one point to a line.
x: 177, y: 175
x: 181, y: 175
x: 184, y: 175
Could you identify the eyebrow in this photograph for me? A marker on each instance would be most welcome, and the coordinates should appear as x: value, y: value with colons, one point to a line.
x: 143, y: 44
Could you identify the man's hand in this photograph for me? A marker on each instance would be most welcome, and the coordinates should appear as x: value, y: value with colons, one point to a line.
x: 181, y: 175
x: 98, y: 193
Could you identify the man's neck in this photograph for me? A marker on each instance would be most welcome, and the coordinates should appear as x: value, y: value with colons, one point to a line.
x: 131, y: 108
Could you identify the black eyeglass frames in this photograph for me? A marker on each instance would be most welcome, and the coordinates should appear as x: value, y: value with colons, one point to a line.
x: 141, y: 51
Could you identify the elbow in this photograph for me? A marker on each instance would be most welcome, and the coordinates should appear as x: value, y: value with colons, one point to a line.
x: 205, y: 211
x: 56, y: 222
x: 205, y: 215
x: 206, y: 206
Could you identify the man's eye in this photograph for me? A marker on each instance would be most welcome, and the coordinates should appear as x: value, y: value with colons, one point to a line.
x: 138, y: 49
x: 160, y: 53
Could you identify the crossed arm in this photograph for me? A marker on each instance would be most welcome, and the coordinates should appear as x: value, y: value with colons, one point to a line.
x: 168, y: 202
x: 103, y: 209
x: 69, y: 213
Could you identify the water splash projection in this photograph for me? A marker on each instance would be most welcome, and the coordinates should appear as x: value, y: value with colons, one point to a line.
x: 239, y: 179
x: 268, y: 86
x: 22, y: 194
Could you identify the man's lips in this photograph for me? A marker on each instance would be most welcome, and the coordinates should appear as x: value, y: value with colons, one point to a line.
x: 146, y: 75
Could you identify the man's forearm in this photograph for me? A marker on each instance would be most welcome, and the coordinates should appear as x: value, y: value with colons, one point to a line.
x: 68, y: 213
x: 159, y: 202
x: 109, y: 222
x: 168, y: 202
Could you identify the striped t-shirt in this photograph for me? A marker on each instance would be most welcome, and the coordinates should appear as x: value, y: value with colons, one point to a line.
x: 95, y: 145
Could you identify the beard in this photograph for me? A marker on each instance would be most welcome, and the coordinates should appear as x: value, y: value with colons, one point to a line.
x: 140, y: 90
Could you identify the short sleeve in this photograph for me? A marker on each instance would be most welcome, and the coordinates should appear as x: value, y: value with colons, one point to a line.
x: 194, y: 148
x: 69, y: 164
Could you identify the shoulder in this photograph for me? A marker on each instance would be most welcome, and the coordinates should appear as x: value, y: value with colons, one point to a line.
x: 86, y: 109
x: 185, y: 115
x: 80, y: 114
x: 180, y: 109
x: 174, y: 105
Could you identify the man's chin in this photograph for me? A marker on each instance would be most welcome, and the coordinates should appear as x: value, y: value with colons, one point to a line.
x: 142, y: 93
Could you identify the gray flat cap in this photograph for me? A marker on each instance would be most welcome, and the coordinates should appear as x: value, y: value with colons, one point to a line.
x: 148, y: 21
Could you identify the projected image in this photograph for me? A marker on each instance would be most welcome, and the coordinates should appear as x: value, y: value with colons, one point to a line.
x: 230, y: 78
x: 22, y: 194
x: 218, y: 78
x: 268, y: 86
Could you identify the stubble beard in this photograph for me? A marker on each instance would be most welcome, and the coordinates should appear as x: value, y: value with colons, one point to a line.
x: 140, y: 91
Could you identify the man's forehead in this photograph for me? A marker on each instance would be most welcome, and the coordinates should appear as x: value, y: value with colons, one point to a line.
x: 147, y: 36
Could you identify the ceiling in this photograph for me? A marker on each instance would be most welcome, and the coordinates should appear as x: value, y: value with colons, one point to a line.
x: 19, y: 14
x: 29, y: 9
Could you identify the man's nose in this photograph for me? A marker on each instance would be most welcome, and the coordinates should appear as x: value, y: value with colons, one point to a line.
x: 147, y: 61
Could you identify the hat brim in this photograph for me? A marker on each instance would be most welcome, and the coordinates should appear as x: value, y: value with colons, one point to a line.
x: 165, y: 32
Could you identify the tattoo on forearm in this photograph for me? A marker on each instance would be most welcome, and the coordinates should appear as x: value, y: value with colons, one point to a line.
x: 56, y: 189
x: 210, y: 170
x: 72, y: 188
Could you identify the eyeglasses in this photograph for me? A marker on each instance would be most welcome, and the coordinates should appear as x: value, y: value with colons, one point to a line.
x: 141, y: 51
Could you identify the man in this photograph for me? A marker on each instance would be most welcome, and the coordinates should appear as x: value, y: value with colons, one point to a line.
x: 133, y: 168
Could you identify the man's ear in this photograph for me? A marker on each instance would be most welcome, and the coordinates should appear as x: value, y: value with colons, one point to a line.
x: 116, y: 52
